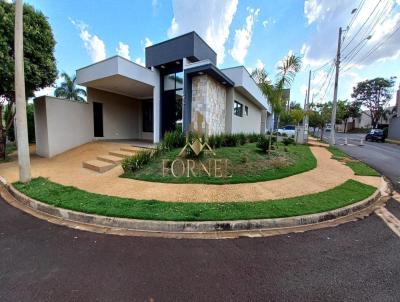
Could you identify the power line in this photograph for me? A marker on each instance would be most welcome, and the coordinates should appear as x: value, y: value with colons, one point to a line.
x: 358, y: 9
x: 376, y: 47
x: 373, y: 11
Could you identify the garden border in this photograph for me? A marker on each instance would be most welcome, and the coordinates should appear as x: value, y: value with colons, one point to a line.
x: 189, y: 229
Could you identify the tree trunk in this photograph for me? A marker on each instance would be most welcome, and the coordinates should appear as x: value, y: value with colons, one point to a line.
x: 345, y: 126
x: 2, y: 135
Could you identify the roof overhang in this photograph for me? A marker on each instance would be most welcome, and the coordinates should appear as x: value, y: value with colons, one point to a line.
x: 246, y: 85
x: 119, y: 75
x: 211, y: 70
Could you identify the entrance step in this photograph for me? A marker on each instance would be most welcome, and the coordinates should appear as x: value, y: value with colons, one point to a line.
x: 131, y: 149
x: 120, y: 153
x: 110, y: 159
x: 98, y: 165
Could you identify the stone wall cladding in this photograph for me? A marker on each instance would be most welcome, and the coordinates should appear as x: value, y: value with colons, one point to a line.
x: 209, y: 98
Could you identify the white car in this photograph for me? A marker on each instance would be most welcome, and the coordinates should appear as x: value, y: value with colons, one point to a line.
x: 328, y: 127
x: 289, y: 130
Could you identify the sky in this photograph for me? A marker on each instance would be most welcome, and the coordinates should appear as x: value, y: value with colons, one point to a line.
x: 253, y: 33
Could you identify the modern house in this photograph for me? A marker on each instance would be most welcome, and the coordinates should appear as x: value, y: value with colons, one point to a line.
x: 127, y: 101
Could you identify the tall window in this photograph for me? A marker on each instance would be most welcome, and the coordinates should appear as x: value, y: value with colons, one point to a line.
x: 238, y: 109
x: 147, y: 110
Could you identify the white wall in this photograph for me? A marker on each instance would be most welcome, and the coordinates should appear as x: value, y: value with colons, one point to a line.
x: 121, y: 114
x: 61, y: 125
x: 246, y: 124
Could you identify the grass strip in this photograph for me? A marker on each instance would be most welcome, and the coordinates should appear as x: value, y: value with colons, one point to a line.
x: 72, y: 198
x: 357, y: 166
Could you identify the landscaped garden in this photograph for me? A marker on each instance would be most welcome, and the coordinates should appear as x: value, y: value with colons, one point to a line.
x: 72, y: 198
x: 247, y: 158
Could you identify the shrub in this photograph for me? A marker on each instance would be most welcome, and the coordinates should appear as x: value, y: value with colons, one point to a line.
x: 137, y: 161
x: 385, y: 132
x: 215, y: 141
x: 287, y: 141
x: 242, y: 138
x: 174, y: 139
x: 230, y: 140
x: 284, y: 135
x: 244, y: 157
x: 253, y: 138
x: 264, y: 141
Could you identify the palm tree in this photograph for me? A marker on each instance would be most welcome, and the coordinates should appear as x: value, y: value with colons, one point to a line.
x: 69, y: 90
x: 287, y: 70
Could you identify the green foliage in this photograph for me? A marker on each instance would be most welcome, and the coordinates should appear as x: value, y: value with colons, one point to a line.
x: 230, y: 140
x: 264, y: 141
x: 385, y: 132
x: 358, y: 167
x: 39, y: 43
x: 287, y: 141
x: 296, y: 115
x: 137, y: 161
x: 75, y: 199
x: 374, y: 94
x: 173, y: 139
x: 31, y: 124
x: 68, y: 89
x: 242, y: 138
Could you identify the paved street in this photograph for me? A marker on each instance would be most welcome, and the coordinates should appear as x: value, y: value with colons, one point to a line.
x: 384, y: 157
x: 44, y: 262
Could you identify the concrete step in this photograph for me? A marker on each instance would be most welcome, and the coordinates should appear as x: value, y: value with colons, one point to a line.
x: 98, y: 165
x: 120, y: 153
x: 110, y: 159
x: 131, y: 149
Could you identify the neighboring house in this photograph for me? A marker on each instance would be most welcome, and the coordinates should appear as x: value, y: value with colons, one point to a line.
x: 128, y: 101
x: 394, y: 126
x: 364, y: 121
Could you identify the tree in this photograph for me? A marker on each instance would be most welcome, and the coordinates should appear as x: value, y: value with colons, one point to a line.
x: 320, y: 115
x: 39, y: 62
x: 375, y: 95
x: 287, y: 70
x: 297, y: 115
x: 69, y: 90
x: 352, y: 110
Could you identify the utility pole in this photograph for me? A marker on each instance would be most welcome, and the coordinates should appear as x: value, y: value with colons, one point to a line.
x: 333, y: 118
x: 307, y: 105
x: 20, y: 100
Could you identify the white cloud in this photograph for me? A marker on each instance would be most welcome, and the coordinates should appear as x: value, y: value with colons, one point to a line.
x: 211, y: 20
x: 93, y: 44
x: 243, y: 37
x: 327, y: 16
x: 265, y: 23
x: 147, y: 42
x: 139, y: 61
x: 123, y: 50
x: 259, y: 65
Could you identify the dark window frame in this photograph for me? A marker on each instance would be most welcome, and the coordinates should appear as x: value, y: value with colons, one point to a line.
x: 238, y: 109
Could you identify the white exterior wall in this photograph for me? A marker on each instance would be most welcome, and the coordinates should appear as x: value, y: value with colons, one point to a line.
x: 121, y: 115
x: 246, y: 124
x: 61, y: 125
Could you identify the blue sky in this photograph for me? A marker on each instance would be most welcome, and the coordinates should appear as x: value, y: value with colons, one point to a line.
x: 250, y: 33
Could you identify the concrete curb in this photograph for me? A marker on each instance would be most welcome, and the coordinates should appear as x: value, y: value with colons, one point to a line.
x: 176, y: 229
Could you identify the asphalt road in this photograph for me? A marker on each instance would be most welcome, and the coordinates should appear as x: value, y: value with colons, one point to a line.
x: 40, y: 261
x: 383, y: 157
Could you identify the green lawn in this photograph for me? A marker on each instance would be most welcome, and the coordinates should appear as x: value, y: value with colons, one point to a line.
x: 358, y: 167
x: 248, y: 164
x: 75, y: 199
x: 10, y: 148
